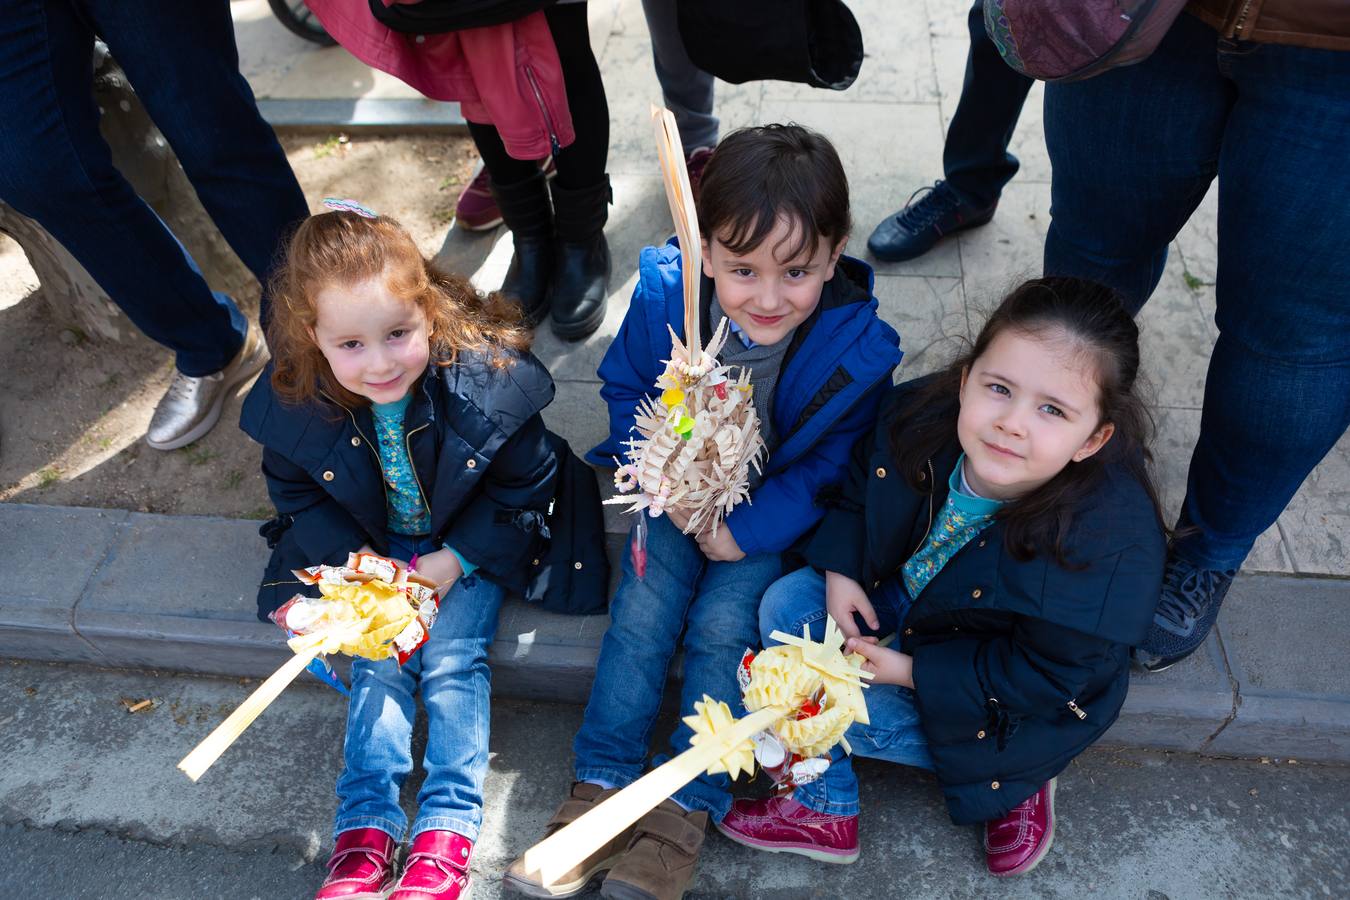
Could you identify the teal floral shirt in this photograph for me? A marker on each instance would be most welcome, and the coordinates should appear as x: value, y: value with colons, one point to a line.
x: 408, y: 512
x: 962, y: 517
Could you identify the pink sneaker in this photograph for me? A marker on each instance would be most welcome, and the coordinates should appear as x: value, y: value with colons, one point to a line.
x: 476, y: 209
x: 782, y: 825
x: 1016, y: 843
x: 696, y: 161
x: 437, y: 868
x: 361, y: 867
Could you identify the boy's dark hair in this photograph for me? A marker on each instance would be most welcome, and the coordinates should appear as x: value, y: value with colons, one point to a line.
x: 1090, y: 315
x: 758, y: 175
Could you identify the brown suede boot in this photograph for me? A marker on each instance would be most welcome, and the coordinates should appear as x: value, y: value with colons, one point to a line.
x: 583, y: 798
x: 660, y: 860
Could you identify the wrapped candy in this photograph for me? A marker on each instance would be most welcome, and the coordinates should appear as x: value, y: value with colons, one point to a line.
x: 802, y: 696
x: 371, y: 607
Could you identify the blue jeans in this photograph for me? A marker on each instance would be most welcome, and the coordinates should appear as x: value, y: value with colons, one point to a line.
x: 55, y: 166
x: 451, y: 670
x: 975, y: 158
x: 1145, y: 142
x: 894, y: 733
x: 715, y: 606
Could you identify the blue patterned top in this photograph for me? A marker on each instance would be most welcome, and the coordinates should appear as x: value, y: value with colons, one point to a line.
x: 408, y: 512
x: 963, y: 516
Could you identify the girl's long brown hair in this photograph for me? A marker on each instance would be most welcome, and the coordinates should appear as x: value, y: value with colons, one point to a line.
x: 343, y: 248
x: 1092, y: 316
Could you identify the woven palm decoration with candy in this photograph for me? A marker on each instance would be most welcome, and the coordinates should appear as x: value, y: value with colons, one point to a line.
x: 371, y: 607
x: 699, y: 436
x: 802, y: 697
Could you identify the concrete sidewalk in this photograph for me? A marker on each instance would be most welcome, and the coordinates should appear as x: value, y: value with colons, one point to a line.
x: 176, y: 593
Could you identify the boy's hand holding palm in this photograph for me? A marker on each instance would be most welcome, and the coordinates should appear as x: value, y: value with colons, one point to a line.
x: 721, y: 547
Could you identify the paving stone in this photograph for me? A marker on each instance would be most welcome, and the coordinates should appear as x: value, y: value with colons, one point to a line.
x: 1316, y: 523
x: 1293, y: 681
x: 51, y: 554
x: 997, y: 257
x: 929, y: 313
x: 1175, y: 341
x: 888, y: 150
x: 1179, y: 708
x: 897, y: 67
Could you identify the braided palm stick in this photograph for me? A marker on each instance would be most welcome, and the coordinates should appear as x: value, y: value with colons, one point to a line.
x: 681, y: 199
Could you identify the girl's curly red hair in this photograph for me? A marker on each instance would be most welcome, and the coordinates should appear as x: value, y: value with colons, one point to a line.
x: 341, y: 248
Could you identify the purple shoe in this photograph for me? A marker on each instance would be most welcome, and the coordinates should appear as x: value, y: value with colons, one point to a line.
x: 782, y: 825
x: 476, y: 209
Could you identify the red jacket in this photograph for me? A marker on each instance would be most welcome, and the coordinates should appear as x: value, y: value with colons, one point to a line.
x: 504, y: 75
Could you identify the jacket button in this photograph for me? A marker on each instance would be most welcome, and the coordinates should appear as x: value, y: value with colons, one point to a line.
x: 536, y: 562
x: 328, y: 475
x: 576, y: 565
x: 909, y: 631
x: 356, y: 442
x: 983, y: 542
x: 923, y: 476
x: 980, y: 734
x: 977, y: 593
x: 994, y: 785
x: 881, y: 472
x: 875, y: 585
x: 472, y: 464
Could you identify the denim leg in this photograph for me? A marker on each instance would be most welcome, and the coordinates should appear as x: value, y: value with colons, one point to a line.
x: 647, y: 616
x: 975, y: 157
x: 56, y: 168
x: 1142, y: 141
x: 182, y: 60
x: 456, y: 690
x: 894, y: 734
x: 377, y: 752
x: 1277, y: 395
x: 723, y: 624
x: 687, y: 89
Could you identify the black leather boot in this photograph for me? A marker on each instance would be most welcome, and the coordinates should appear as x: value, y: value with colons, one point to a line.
x: 581, y: 259
x: 525, y: 209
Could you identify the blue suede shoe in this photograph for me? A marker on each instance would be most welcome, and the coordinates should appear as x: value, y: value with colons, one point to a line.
x: 1186, y: 612
x: 923, y: 222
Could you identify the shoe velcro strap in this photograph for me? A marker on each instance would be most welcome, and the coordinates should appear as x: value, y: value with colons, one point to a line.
x: 337, y: 858
x: 670, y: 828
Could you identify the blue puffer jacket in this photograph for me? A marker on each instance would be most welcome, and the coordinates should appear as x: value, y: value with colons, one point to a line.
x: 478, y: 448
x: 837, y: 369
x: 1019, y: 666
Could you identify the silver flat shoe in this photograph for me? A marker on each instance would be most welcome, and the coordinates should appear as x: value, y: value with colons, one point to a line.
x: 191, y: 406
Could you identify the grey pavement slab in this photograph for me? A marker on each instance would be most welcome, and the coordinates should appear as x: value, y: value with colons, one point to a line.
x: 91, y: 807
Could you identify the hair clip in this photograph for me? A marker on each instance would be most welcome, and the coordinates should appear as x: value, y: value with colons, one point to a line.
x: 340, y: 205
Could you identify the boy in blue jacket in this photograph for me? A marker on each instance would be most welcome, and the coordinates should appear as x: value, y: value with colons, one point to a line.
x: 774, y: 213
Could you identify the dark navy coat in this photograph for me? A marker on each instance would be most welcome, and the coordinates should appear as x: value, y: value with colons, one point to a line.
x: 836, y: 371
x: 478, y: 448
x: 1018, y: 666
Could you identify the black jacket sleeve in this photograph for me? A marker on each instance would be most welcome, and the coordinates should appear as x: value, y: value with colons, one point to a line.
x: 500, y: 528
x: 319, y: 527
x: 840, y: 540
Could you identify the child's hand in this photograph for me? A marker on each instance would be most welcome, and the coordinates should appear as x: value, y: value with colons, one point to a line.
x: 442, y: 567
x: 889, y: 666
x: 721, y: 547
x: 844, y: 597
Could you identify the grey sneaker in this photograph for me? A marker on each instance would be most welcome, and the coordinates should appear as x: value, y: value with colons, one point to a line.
x: 191, y: 407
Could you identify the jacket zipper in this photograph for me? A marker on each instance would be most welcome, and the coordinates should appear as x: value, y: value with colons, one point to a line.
x: 407, y: 445
x: 1077, y: 711
x: 1241, y: 20
x: 553, y: 141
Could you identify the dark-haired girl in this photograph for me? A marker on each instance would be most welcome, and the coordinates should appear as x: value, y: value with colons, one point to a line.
x: 1002, y: 520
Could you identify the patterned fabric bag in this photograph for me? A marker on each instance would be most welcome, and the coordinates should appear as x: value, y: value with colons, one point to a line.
x: 1069, y: 40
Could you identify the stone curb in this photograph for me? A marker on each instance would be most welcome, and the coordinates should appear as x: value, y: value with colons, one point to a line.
x: 130, y: 590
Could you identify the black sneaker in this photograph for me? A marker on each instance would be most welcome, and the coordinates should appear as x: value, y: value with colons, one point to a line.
x: 914, y: 230
x: 1186, y: 612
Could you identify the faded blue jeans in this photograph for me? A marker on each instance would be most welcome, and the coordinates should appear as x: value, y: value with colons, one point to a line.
x: 1134, y: 151
x: 715, y: 606
x: 894, y: 734
x: 451, y: 671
